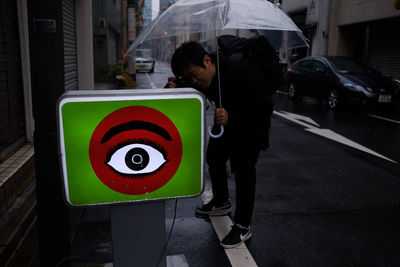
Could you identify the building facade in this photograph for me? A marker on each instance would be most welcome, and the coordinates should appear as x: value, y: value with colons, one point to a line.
x: 16, y: 119
x: 366, y: 30
x: 147, y: 12
x: 107, y: 36
x: 312, y: 17
x: 46, y: 48
x: 13, y: 132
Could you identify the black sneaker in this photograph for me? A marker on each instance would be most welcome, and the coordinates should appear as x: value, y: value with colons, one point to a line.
x: 212, y: 208
x: 236, y: 236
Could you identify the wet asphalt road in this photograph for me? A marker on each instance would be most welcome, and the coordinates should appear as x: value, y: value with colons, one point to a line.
x: 320, y: 201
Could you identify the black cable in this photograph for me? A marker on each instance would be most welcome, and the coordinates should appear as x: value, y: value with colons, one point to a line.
x: 169, y: 235
x: 79, y: 258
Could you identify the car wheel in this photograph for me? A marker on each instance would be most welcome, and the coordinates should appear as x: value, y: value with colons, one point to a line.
x: 292, y: 90
x: 333, y: 99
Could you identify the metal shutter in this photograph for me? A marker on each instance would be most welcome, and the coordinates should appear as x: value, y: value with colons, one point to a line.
x: 12, y: 117
x: 70, y: 54
x: 384, y: 47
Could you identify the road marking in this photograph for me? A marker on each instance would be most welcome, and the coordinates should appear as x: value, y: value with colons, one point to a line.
x: 177, y: 261
x: 299, y: 119
x: 383, y: 118
x: 304, y: 121
x: 207, y: 194
x: 171, y: 261
x: 238, y: 256
x: 341, y: 139
x: 151, y: 83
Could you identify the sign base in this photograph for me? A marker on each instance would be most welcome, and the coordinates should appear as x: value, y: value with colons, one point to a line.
x: 138, y: 234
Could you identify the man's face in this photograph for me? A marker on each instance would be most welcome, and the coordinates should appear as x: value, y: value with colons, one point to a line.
x: 201, y: 77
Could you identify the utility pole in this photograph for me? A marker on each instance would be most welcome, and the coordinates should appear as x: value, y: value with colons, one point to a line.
x: 131, y: 11
x: 125, y: 25
x: 46, y: 38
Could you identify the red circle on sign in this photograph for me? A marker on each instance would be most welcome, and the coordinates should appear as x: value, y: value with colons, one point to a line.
x: 135, y: 150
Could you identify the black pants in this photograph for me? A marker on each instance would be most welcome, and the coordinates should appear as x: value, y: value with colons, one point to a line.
x: 243, y: 158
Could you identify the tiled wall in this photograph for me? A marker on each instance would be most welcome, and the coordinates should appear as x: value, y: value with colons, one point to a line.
x: 15, y: 174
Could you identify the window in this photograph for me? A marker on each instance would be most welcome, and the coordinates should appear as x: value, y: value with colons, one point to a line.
x: 307, y: 64
x: 319, y: 65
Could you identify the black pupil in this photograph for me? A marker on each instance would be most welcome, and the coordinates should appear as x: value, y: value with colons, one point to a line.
x: 137, y: 159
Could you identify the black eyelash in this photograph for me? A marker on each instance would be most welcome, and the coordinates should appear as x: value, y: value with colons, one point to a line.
x: 137, y: 176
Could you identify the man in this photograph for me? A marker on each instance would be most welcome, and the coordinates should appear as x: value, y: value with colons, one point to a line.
x: 245, y: 114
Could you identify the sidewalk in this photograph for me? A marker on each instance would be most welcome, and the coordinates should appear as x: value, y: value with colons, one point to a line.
x: 104, y: 86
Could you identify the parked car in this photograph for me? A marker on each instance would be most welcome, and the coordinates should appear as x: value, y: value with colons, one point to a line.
x: 144, y: 60
x: 339, y: 80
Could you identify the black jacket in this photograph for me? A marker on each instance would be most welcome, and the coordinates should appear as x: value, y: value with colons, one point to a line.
x: 245, y: 96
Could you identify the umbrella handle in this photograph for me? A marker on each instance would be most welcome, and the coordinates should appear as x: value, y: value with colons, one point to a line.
x: 216, y: 135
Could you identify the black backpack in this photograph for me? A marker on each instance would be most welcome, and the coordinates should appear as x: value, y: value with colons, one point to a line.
x: 257, y: 50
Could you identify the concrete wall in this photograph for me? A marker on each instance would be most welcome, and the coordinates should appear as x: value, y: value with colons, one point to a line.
x: 292, y: 5
x: 26, y: 69
x: 352, y: 12
x: 84, y: 39
x: 322, y: 18
x: 312, y: 7
x: 318, y: 13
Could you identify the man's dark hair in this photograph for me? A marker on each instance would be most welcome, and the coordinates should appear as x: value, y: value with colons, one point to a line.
x: 190, y: 53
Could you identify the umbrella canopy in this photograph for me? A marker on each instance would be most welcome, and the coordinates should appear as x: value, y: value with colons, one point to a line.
x: 197, y: 16
x: 192, y: 16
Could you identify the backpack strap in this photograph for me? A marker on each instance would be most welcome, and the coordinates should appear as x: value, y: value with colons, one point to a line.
x: 234, y: 61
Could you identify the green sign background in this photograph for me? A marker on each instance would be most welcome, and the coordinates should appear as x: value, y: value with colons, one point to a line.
x: 80, y: 119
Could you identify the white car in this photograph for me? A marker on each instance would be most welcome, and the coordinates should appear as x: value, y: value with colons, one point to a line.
x: 144, y: 60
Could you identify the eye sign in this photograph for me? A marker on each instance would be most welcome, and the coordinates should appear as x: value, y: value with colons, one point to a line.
x: 135, y: 150
x: 136, y: 158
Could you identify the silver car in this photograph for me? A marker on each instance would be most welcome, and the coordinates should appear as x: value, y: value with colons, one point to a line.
x: 144, y: 60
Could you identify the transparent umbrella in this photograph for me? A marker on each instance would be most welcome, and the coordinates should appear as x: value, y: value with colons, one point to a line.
x: 195, y: 16
x: 215, y: 17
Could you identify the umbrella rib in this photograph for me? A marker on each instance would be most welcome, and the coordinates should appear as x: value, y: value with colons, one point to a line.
x: 225, y: 15
x: 223, y: 12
